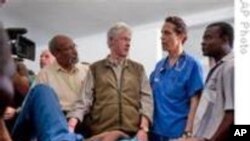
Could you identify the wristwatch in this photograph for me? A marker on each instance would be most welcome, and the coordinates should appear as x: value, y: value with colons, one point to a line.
x: 187, y: 134
x: 145, y: 129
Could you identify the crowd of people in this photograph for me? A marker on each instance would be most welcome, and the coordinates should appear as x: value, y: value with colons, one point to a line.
x: 113, y: 99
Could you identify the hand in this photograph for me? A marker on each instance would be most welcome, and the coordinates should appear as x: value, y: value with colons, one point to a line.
x: 9, y: 113
x: 142, y: 135
x: 109, y: 136
x: 72, y: 124
x: 114, y: 136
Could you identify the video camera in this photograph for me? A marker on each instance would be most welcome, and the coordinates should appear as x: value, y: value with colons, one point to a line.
x: 21, y: 46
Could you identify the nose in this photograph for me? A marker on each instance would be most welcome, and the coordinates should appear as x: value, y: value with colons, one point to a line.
x: 162, y: 37
x: 128, y: 44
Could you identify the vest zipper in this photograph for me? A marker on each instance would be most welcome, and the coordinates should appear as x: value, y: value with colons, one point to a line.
x: 120, y: 99
x: 119, y: 90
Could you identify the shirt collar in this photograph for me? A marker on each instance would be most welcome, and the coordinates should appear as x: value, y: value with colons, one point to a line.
x: 60, y: 68
x: 112, y: 62
x: 229, y: 56
x: 179, y: 63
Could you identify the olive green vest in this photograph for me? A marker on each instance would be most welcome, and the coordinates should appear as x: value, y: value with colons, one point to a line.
x: 114, y: 107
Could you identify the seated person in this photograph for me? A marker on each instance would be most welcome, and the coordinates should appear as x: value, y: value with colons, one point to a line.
x: 46, y: 119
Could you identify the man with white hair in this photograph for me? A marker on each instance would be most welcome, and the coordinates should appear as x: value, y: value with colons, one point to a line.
x: 46, y: 58
x: 117, y: 93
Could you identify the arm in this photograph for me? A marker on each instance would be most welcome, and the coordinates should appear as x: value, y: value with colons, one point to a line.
x: 146, y: 101
x: 4, y: 132
x: 83, y: 105
x: 193, y: 106
x: 194, y: 88
x: 224, y: 128
x: 146, y: 108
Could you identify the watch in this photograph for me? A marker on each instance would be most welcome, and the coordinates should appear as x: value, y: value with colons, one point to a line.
x: 187, y: 134
x: 145, y: 129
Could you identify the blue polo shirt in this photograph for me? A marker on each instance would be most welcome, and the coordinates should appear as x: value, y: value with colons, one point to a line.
x: 173, y: 87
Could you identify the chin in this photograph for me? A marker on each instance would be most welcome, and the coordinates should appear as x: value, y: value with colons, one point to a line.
x: 206, y: 54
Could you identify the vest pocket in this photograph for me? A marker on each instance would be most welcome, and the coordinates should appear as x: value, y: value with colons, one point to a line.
x: 131, y: 118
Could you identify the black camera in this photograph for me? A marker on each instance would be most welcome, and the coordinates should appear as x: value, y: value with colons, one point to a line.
x: 21, y: 46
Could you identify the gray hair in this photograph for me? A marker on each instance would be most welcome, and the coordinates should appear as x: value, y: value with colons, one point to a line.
x: 117, y: 29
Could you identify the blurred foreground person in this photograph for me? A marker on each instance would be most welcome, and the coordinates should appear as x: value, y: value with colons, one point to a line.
x: 21, y: 86
x: 7, y: 71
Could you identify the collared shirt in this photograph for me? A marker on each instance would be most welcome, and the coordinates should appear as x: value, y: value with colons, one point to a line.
x: 173, y: 87
x: 82, y: 107
x: 67, y: 85
x: 117, y: 68
x: 217, y: 97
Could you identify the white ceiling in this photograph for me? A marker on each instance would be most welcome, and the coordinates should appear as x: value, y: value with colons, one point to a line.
x: 79, y: 18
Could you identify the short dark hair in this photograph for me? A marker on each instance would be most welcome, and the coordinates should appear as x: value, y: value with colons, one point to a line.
x: 225, y: 30
x: 180, y: 25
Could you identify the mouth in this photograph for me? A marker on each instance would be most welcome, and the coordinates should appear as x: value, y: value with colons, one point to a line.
x: 164, y: 46
x: 203, y: 49
x: 73, y: 60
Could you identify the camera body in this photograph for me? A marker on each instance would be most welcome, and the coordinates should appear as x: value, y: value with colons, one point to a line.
x: 21, y: 46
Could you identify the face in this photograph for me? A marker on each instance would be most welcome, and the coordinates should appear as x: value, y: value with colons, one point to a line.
x: 212, y: 42
x: 120, y: 44
x: 66, y: 54
x: 46, y: 58
x: 169, y: 38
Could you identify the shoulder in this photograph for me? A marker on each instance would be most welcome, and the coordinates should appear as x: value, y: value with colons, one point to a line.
x: 192, y: 58
x: 96, y: 64
x: 82, y: 67
x: 228, y: 65
x: 134, y: 63
x: 47, y: 70
x: 160, y: 63
x: 193, y: 61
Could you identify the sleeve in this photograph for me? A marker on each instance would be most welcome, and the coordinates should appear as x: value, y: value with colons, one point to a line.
x: 147, y: 105
x: 195, y: 82
x: 228, y: 86
x: 82, y: 106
